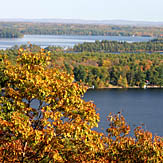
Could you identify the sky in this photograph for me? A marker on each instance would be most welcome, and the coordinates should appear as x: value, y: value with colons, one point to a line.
x: 143, y: 10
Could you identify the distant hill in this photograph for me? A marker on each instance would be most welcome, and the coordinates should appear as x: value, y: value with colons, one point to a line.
x: 80, y: 21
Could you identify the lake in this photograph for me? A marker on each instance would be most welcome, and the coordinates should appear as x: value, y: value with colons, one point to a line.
x: 63, y: 40
x: 138, y: 106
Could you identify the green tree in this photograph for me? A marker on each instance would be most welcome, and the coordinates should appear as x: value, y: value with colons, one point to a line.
x: 3, y: 78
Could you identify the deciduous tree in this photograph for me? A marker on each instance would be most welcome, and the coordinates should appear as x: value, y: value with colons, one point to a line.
x: 58, y: 127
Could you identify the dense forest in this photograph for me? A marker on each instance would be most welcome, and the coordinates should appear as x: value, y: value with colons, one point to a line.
x: 24, y: 28
x: 105, y: 69
x: 155, y: 45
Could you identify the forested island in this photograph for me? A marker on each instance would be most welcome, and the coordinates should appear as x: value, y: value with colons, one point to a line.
x: 155, y: 45
x: 26, y: 28
x: 104, y: 70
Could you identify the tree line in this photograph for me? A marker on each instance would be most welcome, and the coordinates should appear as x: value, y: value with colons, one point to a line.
x: 24, y: 28
x: 10, y: 33
x: 155, y: 45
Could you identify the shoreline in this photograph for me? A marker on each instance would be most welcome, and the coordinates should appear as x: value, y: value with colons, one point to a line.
x: 134, y: 87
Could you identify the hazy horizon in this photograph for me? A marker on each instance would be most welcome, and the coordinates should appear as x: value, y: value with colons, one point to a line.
x: 140, y: 10
x: 44, y: 18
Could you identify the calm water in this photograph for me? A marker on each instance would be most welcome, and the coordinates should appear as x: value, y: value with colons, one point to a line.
x: 138, y: 106
x: 63, y: 41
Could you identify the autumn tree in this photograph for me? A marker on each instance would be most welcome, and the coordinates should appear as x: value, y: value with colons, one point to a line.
x: 121, y: 147
x: 42, y: 114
